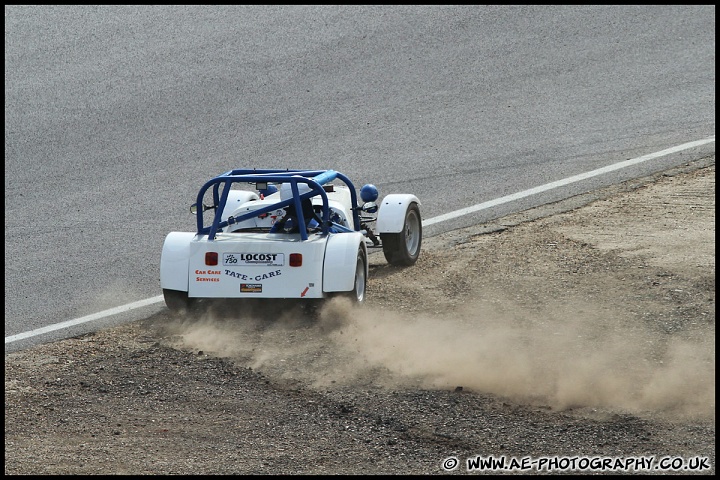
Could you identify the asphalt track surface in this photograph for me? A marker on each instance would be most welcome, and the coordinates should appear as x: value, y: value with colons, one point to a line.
x: 115, y: 115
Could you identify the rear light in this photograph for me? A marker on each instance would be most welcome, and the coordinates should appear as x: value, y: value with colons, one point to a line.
x: 296, y: 259
x: 211, y: 258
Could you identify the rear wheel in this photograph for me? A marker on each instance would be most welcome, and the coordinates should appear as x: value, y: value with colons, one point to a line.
x: 404, y: 248
x: 357, y: 294
x: 177, y: 301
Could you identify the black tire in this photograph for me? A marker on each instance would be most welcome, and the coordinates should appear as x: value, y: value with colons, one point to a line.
x: 357, y: 294
x: 403, y: 249
x: 178, y: 301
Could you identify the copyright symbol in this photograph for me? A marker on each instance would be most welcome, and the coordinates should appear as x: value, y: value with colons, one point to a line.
x: 450, y: 463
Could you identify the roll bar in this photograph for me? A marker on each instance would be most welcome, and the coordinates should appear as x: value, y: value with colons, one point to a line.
x: 315, y: 179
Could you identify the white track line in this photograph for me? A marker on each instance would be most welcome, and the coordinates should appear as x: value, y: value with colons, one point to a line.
x: 430, y: 221
x: 85, y: 319
x: 565, y: 181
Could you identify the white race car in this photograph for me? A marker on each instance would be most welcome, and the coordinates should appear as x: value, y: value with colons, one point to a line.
x: 297, y: 234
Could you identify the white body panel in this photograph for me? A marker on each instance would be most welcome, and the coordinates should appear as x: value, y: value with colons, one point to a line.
x: 341, y: 260
x: 340, y: 203
x: 235, y: 199
x: 391, y: 214
x: 256, y: 265
x: 174, y: 261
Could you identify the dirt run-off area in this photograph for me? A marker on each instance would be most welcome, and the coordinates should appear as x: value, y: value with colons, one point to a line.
x: 576, y: 334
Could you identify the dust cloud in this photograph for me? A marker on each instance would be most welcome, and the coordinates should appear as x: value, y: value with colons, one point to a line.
x: 562, y: 359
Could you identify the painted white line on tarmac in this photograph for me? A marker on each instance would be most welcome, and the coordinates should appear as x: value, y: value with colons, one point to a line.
x: 89, y: 318
x: 430, y: 221
x: 565, y: 181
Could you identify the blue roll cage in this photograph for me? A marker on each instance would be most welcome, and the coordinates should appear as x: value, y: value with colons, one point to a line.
x: 315, y: 179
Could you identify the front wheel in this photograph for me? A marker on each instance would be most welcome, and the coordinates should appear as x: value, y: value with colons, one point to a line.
x: 177, y: 301
x: 404, y: 248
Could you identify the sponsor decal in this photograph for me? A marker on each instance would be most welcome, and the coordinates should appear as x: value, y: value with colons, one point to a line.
x: 257, y: 278
x: 207, y: 272
x: 251, y: 287
x: 254, y: 259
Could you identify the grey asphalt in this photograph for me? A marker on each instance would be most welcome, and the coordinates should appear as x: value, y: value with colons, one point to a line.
x: 116, y: 115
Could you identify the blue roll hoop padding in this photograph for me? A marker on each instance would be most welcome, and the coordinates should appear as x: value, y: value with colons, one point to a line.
x: 325, y: 177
